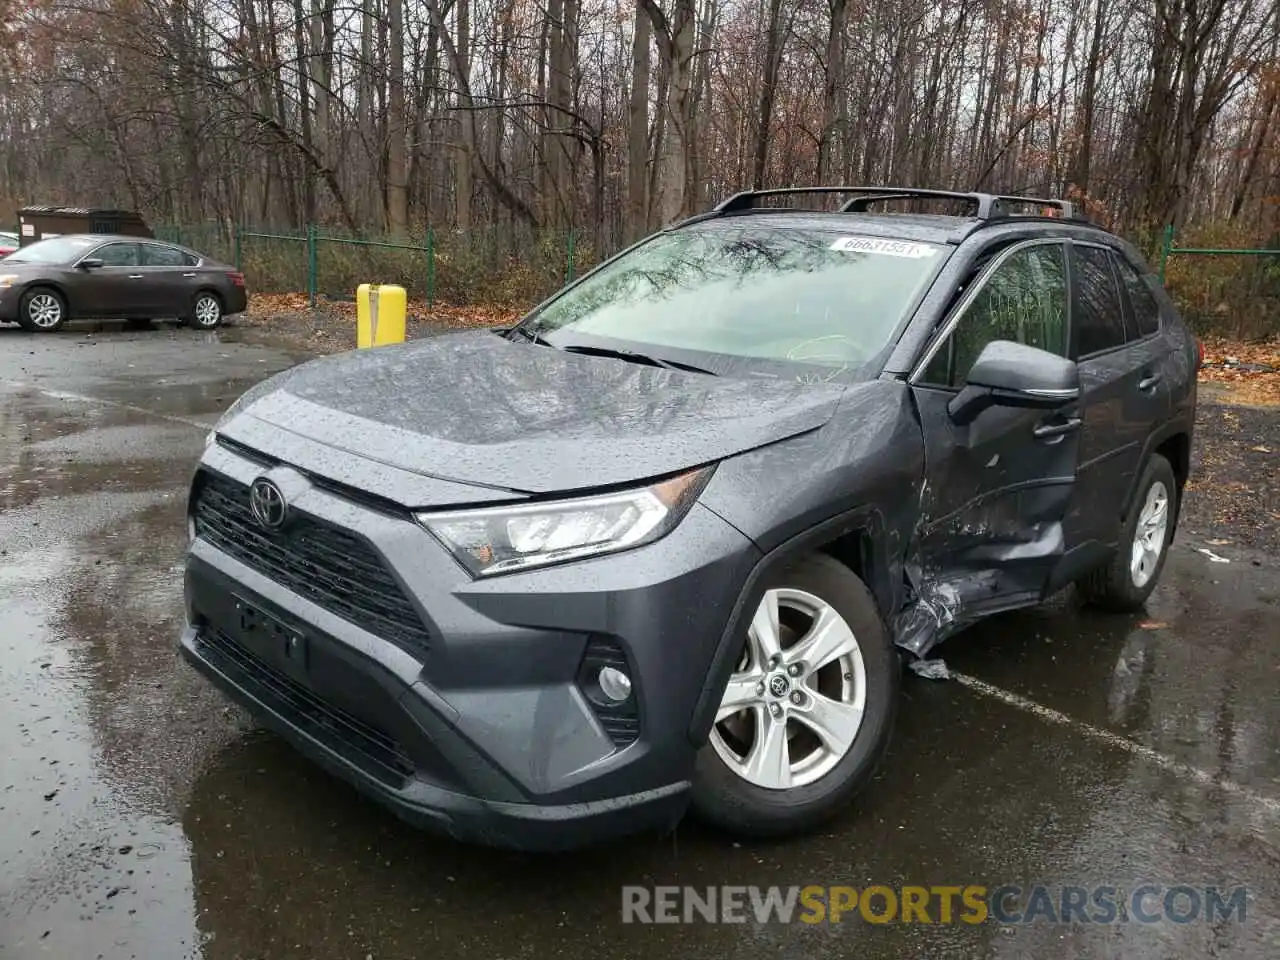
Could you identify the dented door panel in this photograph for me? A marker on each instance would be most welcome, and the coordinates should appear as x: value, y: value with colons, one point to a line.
x: 991, y: 511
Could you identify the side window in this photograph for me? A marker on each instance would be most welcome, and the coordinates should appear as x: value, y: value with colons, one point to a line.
x: 1100, y: 318
x: 158, y: 255
x: 1024, y: 300
x: 1146, y: 311
x: 118, y: 254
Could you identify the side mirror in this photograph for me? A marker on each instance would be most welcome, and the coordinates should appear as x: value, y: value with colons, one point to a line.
x: 90, y: 263
x: 1009, y: 374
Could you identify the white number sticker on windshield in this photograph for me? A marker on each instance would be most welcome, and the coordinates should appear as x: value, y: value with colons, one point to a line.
x: 881, y: 245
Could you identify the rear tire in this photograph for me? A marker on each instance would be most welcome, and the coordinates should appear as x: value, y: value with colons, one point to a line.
x: 795, y: 741
x: 42, y: 310
x: 206, y: 311
x: 1124, y: 583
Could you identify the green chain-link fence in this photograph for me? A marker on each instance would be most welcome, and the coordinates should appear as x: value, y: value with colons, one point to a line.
x: 488, y: 265
x: 1223, y: 289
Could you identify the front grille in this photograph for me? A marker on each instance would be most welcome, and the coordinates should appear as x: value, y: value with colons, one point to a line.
x: 380, y: 753
x: 332, y: 568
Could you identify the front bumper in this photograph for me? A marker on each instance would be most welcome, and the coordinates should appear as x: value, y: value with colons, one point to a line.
x: 486, y: 733
x: 10, y: 301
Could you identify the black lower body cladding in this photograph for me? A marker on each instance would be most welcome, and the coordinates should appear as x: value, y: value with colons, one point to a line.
x: 487, y: 728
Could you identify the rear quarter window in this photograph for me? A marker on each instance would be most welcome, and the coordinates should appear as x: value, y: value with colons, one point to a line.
x: 1146, y: 311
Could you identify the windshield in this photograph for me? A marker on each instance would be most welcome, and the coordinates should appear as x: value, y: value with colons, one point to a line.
x: 53, y: 250
x: 772, y: 293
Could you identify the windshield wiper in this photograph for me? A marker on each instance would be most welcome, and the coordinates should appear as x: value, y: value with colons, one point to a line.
x: 530, y: 333
x: 632, y: 356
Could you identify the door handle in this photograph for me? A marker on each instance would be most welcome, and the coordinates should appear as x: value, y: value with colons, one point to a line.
x: 1047, y: 431
x: 188, y: 275
x: 1148, y: 381
x: 135, y: 276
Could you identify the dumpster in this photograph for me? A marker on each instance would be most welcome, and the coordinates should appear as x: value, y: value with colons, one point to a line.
x: 42, y: 222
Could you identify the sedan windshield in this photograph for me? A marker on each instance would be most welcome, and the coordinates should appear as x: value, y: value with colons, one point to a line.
x: 766, y: 292
x: 53, y: 250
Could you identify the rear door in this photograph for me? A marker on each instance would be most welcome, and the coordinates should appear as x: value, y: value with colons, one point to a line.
x: 169, y: 276
x: 1123, y: 387
x: 113, y: 290
x: 997, y: 489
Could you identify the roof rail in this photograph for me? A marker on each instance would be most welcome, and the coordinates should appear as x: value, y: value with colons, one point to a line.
x: 1065, y: 207
x: 987, y: 206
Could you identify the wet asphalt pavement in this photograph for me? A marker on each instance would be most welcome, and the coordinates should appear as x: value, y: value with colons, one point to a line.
x: 141, y: 816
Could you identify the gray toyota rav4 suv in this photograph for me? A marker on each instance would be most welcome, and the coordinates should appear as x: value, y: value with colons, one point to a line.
x: 667, y: 542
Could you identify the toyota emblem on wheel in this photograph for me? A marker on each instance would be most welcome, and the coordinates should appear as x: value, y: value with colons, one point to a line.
x: 267, y: 504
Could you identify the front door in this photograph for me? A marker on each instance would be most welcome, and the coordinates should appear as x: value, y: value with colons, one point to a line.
x: 997, y: 489
x: 114, y: 289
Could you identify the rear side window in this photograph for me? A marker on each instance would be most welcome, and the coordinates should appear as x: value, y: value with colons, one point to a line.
x: 157, y: 255
x: 1023, y: 300
x: 1146, y: 312
x: 1099, y: 317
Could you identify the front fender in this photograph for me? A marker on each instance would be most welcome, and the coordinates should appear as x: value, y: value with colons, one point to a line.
x: 855, y: 481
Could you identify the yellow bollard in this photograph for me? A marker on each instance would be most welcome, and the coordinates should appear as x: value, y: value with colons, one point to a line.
x: 380, y: 310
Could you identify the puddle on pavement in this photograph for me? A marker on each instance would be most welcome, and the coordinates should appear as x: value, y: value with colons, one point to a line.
x: 90, y: 865
x: 54, y: 449
x: 1194, y: 677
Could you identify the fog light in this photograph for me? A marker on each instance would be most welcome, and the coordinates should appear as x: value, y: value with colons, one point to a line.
x: 614, y: 684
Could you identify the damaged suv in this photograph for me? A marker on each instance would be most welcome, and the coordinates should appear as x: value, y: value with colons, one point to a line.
x: 667, y: 541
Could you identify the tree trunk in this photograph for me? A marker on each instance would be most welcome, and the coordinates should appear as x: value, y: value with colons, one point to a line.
x: 638, y: 129
x: 833, y: 92
x: 397, y: 174
x: 466, y: 131
x: 772, y: 60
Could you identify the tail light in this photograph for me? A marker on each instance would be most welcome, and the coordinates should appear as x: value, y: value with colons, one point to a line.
x: 236, y: 277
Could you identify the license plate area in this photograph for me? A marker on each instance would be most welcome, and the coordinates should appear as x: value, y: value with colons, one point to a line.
x: 271, y: 638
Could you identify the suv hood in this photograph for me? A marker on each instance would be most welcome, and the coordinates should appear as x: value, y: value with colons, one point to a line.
x: 477, y: 409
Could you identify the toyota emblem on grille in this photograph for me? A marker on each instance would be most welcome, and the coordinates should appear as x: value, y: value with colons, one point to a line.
x: 267, y: 504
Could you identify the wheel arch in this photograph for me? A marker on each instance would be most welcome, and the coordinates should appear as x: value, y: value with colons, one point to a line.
x: 211, y: 291
x: 1173, y: 442
x: 53, y: 285
x: 857, y: 539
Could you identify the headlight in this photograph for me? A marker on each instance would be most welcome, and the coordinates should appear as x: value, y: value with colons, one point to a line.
x: 501, y: 539
x: 8, y: 279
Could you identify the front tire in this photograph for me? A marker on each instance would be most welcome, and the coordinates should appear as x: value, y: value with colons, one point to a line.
x: 806, y: 715
x: 1124, y: 584
x: 42, y: 310
x: 206, y: 311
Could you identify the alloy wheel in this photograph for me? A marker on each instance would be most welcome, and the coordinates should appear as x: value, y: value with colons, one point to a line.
x: 207, y: 312
x: 794, y: 706
x: 1148, y: 535
x: 44, y: 311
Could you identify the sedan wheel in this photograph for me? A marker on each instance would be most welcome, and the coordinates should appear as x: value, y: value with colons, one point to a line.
x: 43, y: 311
x: 793, y: 708
x: 806, y: 713
x: 207, y: 312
